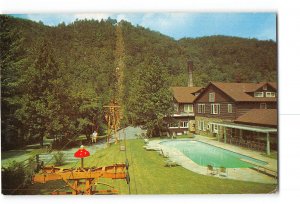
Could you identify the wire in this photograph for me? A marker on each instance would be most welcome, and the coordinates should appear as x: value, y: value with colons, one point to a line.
x: 133, y: 172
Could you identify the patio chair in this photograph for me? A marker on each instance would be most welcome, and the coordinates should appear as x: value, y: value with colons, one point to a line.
x: 170, y: 163
x: 223, y: 171
x: 211, y: 170
x: 162, y: 153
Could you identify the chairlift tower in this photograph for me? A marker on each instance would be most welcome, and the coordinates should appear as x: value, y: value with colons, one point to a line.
x: 112, y: 118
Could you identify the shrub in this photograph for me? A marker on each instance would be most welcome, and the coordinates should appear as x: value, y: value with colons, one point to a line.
x: 13, y: 177
x: 59, y: 158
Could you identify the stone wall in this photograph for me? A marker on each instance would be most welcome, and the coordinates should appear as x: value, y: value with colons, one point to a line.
x: 207, y: 121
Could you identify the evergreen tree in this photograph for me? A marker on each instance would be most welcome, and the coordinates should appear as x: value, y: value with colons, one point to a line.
x: 150, y: 97
x: 61, y: 88
x: 42, y: 105
x: 11, y: 62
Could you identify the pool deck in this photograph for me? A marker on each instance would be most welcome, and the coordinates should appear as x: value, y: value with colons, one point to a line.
x: 243, y: 174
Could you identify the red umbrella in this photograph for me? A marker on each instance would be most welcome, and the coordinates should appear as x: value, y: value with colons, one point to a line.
x: 81, y: 153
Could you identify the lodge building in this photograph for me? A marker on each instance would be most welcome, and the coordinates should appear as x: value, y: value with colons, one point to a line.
x: 183, y: 117
x: 243, y: 114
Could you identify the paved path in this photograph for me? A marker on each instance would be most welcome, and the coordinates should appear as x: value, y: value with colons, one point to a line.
x: 244, y: 174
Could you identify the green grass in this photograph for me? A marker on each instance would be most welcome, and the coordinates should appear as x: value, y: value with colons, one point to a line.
x: 19, y: 155
x: 149, y: 176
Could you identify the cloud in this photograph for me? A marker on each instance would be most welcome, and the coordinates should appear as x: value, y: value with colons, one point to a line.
x: 122, y: 17
x: 163, y: 20
x: 171, y: 24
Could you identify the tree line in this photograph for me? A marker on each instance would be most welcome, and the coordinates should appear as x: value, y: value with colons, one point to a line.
x: 55, y: 80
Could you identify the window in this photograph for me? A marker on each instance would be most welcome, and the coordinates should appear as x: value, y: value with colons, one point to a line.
x: 215, y: 109
x: 263, y: 106
x: 176, y: 107
x: 265, y: 87
x: 188, y: 108
x: 173, y: 125
x: 258, y: 94
x: 229, y: 108
x: 201, y: 125
x: 270, y: 94
x: 211, y: 97
x: 201, y: 108
x: 184, y: 124
x: 214, y: 128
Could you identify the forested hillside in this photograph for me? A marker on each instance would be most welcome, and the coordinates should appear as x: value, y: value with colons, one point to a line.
x: 54, y: 80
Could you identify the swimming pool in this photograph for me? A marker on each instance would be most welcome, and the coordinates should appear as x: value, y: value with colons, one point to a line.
x: 205, y: 154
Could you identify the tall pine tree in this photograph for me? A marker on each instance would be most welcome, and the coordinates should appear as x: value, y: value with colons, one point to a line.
x: 42, y: 100
x: 12, y: 58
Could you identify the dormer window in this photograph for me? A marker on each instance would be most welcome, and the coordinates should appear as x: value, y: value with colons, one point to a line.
x: 258, y: 94
x: 211, y: 97
x: 265, y: 87
x: 270, y: 94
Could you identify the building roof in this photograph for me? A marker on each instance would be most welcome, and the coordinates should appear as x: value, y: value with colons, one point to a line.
x: 260, y: 117
x: 246, y: 127
x: 185, y: 94
x: 240, y: 91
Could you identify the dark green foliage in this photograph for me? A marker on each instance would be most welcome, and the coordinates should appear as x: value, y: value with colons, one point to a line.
x: 150, y: 99
x: 12, y: 63
x: 13, y: 177
x: 221, y: 58
x: 55, y: 80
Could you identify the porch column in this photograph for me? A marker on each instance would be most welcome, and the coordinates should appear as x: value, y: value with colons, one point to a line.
x: 268, y: 143
x: 241, y: 133
x: 218, y: 135
x: 224, y: 134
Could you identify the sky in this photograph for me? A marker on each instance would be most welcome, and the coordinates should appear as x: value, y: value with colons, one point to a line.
x: 261, y: 26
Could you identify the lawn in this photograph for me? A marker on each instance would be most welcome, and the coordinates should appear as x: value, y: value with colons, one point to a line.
x: 149, y: 176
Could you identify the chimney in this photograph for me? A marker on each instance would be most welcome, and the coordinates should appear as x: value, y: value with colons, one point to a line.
x: 190, y: 70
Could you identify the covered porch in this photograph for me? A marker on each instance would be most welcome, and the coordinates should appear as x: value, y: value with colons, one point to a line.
x: 249, y: 136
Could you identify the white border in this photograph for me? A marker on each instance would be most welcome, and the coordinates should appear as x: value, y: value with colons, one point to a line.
x: 59, y: 6
x: 289, y: 72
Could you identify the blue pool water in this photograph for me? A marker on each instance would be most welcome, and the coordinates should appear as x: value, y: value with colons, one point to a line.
x: 205, y: 154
